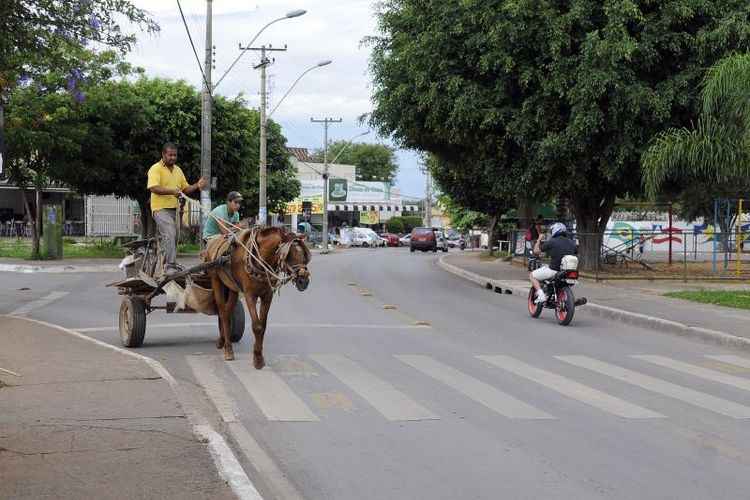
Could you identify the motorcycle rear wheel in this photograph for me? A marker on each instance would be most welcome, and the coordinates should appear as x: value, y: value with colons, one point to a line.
x: 565, y: 307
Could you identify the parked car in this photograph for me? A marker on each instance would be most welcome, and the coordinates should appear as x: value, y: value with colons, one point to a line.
x: 366, y: 237
x: 391, y: 239
x: 424, y: 239
x: 456, y: 241
x: 405, y: 239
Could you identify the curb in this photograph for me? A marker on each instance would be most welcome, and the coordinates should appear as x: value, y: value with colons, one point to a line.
x: 28, y: 269
x: 227, y: 464
x: 611, y: 313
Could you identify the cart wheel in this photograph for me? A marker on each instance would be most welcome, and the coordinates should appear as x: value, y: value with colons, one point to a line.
x: 237, y: 322
x: 132, y: 321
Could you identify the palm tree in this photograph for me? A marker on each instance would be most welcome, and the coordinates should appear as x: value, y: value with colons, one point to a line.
x: 716, y: 152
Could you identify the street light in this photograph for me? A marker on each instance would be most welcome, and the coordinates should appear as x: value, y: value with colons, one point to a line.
x: 289, y: 15
x: 262, y: 205
x: 320, y: 64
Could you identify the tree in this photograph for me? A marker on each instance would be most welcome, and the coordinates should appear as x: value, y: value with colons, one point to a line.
x: 461, y: 218
x: 375, y: 162
x: 128, y: 122
x: 548, y: 98
x: 395, y: 225
x: 711, y: 160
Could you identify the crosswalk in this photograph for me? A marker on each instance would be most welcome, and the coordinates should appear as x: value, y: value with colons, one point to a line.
x: 279, y: 396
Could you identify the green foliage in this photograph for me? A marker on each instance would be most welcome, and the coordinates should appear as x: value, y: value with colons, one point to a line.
x: 729, y: 298
x: 545, y: 99
x: 43, y: 35
x: 410, y: 222
x: 375, y: 162
x: 395, y: 225
x: 461, y: 218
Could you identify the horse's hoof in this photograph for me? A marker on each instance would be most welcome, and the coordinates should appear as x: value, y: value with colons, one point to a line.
x: 220, y: 343
x: 259, y: 362
x: 228, y: 356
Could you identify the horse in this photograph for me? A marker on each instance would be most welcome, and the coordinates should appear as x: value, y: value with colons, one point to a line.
x: 261, y: 261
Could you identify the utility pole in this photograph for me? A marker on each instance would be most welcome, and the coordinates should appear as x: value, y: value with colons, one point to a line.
x: 325, y: 122
x: 206, y: 111
x: 264, y: 62
x: 428, y: 198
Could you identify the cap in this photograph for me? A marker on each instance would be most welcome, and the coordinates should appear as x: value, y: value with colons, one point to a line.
x: 234, y: 195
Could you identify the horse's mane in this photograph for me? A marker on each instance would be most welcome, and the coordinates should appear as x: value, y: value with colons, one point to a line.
x: 265, y: 231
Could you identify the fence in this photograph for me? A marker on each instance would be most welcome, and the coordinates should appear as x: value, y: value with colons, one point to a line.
x: 674, y: 254
x: 111, y: 216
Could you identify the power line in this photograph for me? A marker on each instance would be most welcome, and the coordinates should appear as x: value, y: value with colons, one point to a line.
x: 195, y: 52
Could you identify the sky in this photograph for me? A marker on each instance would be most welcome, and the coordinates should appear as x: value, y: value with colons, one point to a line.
x: 331, y: 29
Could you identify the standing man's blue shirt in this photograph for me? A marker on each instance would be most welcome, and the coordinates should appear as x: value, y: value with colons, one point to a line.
x: 221, y: 212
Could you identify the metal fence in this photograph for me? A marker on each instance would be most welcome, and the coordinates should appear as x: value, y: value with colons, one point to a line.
x: 659, y: 255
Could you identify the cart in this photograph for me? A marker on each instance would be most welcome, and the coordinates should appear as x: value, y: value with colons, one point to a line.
x: 187, y: 291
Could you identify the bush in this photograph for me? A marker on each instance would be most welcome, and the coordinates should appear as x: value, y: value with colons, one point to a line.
x: 411, y: 221
x: 395, y: 225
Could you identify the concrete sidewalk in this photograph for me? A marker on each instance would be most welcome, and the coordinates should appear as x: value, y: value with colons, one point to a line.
x: 629, y: 300
x: 78, y: 420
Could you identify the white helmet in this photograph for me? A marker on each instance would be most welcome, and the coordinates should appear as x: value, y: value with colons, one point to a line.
x: 557, y: 228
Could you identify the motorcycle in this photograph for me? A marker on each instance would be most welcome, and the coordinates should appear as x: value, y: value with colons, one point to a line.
x: 558, y: 289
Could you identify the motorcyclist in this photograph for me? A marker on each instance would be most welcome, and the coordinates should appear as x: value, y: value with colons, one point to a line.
x: 558, y: 246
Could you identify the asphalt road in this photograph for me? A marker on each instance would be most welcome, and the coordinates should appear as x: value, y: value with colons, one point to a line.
x: 362, y: 401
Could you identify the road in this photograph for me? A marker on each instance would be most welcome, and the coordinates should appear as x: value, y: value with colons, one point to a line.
x: 453, y: 392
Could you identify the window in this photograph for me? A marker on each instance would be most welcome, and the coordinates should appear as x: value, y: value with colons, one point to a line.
x: 389, y: 208
x: 380, y: 207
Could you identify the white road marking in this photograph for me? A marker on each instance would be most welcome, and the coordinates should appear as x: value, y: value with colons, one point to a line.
x: 731, y: 359
x: 9, y: 372
x: 477, y: 390
x: 36, y: 304
x: 698, y: 371
x: 392, y: 403
x: 273, y: 396
x: 572, y: 389
x: 690, y: 396
x: 258, y: 458
x: 226, y: 463
x: 270, y: 325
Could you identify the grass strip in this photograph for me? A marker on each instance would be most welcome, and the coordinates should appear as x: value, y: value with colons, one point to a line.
x: 735, y: 298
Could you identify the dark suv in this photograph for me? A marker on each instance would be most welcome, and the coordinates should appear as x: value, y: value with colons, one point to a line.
x: 423, y: 238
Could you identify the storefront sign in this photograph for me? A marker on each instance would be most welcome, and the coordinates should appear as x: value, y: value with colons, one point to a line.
x: 369, y: 218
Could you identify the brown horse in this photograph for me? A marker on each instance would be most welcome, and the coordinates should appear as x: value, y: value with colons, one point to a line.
x: 262, y: 259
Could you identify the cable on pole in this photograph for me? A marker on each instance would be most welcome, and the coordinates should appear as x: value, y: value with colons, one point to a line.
x: 195, y: 52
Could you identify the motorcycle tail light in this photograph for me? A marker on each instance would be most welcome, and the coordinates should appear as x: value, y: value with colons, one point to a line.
x: 572, y: 275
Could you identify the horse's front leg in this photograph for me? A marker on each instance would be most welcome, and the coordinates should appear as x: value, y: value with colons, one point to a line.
x: 252, y: 301
x: 224, y: 339
x: 265, y: 307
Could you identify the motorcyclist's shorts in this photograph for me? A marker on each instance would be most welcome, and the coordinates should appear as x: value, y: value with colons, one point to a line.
x: 543, y: 273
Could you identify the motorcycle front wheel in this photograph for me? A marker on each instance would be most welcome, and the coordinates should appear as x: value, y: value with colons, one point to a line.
x: 535, y: 310
x: 566, y: 306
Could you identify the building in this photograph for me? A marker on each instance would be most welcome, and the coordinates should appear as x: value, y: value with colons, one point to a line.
x: 350, y: 202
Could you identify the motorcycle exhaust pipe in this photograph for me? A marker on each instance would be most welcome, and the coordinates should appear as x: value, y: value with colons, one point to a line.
x: 581, y: 302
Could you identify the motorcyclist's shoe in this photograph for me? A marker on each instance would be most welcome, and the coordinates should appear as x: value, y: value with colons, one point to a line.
x: 541, y: 297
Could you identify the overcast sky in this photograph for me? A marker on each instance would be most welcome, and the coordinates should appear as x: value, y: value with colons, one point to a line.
x: 331, y: 29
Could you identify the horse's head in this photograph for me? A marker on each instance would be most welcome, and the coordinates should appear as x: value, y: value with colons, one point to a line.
x: 296, y: 264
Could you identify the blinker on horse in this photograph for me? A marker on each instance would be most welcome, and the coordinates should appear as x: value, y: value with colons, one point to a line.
x: 262, y: 260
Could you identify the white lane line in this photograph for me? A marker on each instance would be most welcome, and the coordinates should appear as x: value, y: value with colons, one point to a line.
x: 214, y: 388
x: 270, y: 325
x: 731, y: 359
x: 276, y: 480
x: 572, y: 389
x: 689, y: 396
x: 392, y: 403
x: 273, y: 396
x: 36, y: 304
x: 483, y: 393
x: 697, y: 371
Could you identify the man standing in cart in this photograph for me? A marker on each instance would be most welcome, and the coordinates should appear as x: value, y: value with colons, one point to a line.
x: 166, y: 182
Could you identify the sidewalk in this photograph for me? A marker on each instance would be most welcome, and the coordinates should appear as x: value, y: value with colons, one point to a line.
x: 634, y: 298
x: 84, y: 421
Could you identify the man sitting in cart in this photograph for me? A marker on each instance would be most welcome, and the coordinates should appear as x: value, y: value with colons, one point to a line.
x: 166, y: 182
x: 223, y: 218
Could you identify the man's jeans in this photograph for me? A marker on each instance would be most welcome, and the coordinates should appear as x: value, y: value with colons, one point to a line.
x: 167, y: 227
